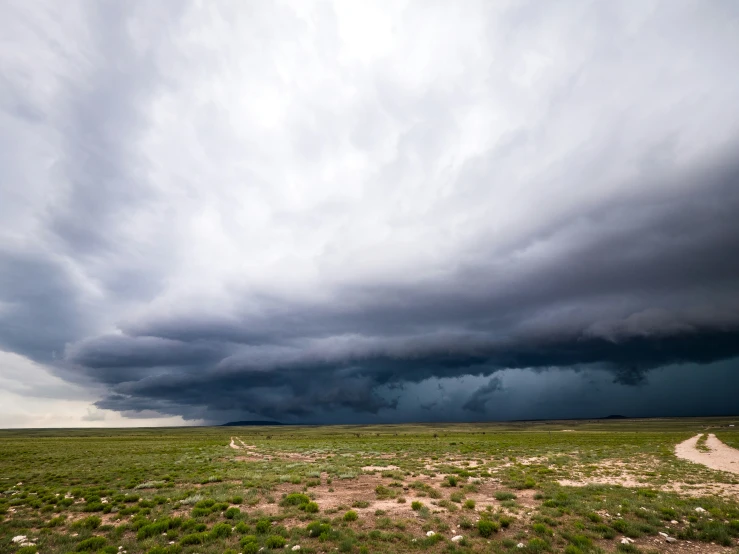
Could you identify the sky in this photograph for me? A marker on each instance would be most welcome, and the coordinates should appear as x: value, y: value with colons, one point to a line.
x: 361, y: 212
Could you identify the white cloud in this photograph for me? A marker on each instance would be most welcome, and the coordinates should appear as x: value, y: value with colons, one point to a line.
x: 31, y: 396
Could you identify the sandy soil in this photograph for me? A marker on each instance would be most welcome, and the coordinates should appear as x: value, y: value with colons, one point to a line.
x: 720, y: 457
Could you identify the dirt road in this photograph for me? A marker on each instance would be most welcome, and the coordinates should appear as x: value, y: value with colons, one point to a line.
x: 720, y: 456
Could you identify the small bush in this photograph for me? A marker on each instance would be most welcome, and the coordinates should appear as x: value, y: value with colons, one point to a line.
x: 416, y: 505
x: 93, y: 544
x: 275, y: 541
x: 452, y: 480
x: 383, y: 492
x: 263, y: 525
x: 537, y: 545
x: 360, y: 504
x: 200, y: 512
x: 250, y: 548
x: 310, y: 507
x: 192, y: 538
x: 504, y: 495
x: 92, y: 522
x: 316, y: 529
x: 232, y: 513
x: 351, y: 515
x: 469, y: 504
x: 152, y: 530
x: 237, y: 500
x: 248, y: 539
x: 486, y: 527
x: 242, y: 528
x: 295, y: 499
x: 220, y: 531
x: 57, y: 521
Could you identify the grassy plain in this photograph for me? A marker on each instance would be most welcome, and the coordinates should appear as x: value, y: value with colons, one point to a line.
x: 566, y: 486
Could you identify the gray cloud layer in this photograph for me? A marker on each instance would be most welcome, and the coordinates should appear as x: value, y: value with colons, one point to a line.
x: 304, y: 211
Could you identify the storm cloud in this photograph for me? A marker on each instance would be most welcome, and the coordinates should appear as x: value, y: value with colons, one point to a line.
x: 370, y: 212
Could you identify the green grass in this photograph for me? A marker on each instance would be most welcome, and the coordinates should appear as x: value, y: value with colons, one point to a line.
x: 184, y: 491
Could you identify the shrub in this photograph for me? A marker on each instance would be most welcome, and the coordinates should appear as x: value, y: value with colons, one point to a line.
x: 250, y: 548
x: 237, y: 500
x: 416, y: 505
x: 275, y: 541
x: 310, y: 507
x: 220, y: 531
x: 538, y: 545
x: 360, y: 504
x: 351, y: 515
x: 469, y: 504
x: 30, y: 549
x: 94, y: 507
x: 152, y: 530
x: 263, y: 525
x: 486, y: 527
x: 316, y: 529
x: 200, y: 512
x: 242, y: 527
x: 232, y: 513
x: 57, y: 521
x: 383, y: 492
x: 505, y: 521
x: 504, y: 495
x: 192, y: 538
x: 92, y: 544
x: 91, y: 522
x: 452, y: 480
x: 295, y: 499
x: 248, y: 539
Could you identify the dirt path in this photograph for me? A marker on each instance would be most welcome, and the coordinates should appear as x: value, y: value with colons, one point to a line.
x: 233, y: 444
x: 721, y: 457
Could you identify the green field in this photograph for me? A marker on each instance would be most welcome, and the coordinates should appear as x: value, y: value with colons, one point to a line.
x: 516, y: 487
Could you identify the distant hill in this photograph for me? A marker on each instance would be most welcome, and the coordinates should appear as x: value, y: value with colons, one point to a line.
x: 615, y: 417
x: 250, y: 423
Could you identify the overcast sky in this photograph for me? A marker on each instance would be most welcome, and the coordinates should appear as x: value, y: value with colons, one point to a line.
x: 367, y: 211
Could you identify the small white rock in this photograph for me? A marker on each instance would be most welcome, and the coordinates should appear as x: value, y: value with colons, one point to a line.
x: 674, y: 522
x: 520, y: 545
x: 664, y: 534
x: 295, y: 548
x: 19, y: 538
x: 457, y: 538
x: 430, y: 534
x: 700, y: 510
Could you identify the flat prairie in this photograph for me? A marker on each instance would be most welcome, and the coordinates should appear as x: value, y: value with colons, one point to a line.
x: 586, y: 486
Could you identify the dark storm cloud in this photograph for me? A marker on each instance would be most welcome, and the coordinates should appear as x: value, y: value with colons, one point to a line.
x: 264, y: 210
x: 479, y: 398
x: 636, y: 292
